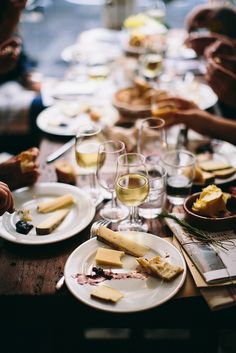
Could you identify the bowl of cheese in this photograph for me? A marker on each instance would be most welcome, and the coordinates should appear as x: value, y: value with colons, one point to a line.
x: 211, y: 209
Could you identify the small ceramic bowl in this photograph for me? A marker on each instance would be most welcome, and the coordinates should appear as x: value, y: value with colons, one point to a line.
x: 209, y: 223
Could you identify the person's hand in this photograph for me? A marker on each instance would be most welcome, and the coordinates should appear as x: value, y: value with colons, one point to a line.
x: 20, y: 170
x: 201, y: 42
x: 222, y: 80
x: 223, y: 54
x: 218, y: 19
x: 9, y: 54
x: 6, y: 200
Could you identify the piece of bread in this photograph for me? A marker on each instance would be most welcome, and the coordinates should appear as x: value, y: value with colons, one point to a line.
x: 202, y: 177
x: 225, y: 173
x: 27, y: 160
x: 65, y: 172
x: 213, y: 165
x: 160, y: 268
x: 52, y: 222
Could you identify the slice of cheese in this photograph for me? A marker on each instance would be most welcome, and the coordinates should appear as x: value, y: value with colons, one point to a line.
x: 160, y: 268
x: 107, y: 293
x: 109, y: 257
x: 121, y: 242
x: 202, y: 177
x: 55, y: 204
x: 52, y: 222
x: 210, y: 166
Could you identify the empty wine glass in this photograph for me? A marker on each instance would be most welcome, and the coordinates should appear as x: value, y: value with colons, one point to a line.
x: 88, y: 139
x: 108, y: 153
x: 132, y: 188
x: 152, y: 139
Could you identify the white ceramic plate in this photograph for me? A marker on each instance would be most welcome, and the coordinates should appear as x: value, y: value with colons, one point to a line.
x: 199, y: 93
x: 138, y: 294
x: 79, y: 217
x: 59, y: 119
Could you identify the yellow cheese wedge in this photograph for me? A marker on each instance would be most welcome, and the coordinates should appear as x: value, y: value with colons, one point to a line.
x: 55, y: 204
x: 160, y: 268
x: 107, y: 293
x: 109, y: 257
x: 52, y: 222
x: 121, y: 242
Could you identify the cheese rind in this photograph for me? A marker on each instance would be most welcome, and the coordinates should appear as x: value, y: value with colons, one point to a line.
x: 55, y: 204
x: 160, y: 268
x: 107, y: 293
x: 52, y: 222
x: 109, y: 257
x: 121, y: 242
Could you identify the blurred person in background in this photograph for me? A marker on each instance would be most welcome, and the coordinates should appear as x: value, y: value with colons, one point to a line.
x: 19, y: 104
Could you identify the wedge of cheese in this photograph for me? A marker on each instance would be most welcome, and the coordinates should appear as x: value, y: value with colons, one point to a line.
x: 107, y: 293
x: 55, y: 204
x: 160, y: 268
x: 121, y: 242
x: 109, y: 257
x: 52, y: 222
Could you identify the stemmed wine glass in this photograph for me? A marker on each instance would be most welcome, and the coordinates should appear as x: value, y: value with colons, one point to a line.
x: 132, y: 188
x: 108, y: 153
x: 88, y: 139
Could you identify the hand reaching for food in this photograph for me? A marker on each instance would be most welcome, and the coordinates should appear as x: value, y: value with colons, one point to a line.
x: 21, y: 170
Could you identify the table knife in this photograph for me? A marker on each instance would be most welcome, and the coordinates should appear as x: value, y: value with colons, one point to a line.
x: 60, y: 151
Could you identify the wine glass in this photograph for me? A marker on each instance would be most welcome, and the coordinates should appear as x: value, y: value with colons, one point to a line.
x: 108, y: 153
x: 132, y: 188
x: 152, y: 139
x: 88, y: 139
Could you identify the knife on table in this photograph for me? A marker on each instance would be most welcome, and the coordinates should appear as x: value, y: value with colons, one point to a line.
x: 60, y: 151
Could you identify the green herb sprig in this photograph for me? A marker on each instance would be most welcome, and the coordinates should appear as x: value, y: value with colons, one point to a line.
x: 196, y: 233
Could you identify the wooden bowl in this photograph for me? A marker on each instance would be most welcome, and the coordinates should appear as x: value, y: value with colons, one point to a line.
x: 209, y: 223
x: 128, y: 110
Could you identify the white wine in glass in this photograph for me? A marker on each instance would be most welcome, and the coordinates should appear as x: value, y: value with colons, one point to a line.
x: 132, y: 188
x: 88, y: 139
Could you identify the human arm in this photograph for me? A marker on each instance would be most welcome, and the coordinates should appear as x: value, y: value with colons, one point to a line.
x: 6, y: 199
x: 199, y: 120
x: 15, y: 174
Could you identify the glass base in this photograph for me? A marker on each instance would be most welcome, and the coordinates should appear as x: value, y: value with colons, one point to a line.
x: 139, y: 226
x: 114, y: 214
x: 176, y: 200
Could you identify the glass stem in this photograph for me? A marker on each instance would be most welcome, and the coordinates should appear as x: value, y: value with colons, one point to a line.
x: 113, y: 201
x: 133, y: 214
x: 93, y: 181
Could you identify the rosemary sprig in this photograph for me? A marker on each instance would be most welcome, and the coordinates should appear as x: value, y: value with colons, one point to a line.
x: 193, y: 232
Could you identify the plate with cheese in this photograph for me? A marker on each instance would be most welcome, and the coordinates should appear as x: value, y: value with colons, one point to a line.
x: 47, y: 213
x: 125, y: 272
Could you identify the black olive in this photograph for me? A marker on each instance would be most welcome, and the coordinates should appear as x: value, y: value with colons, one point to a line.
x: 23, y: 227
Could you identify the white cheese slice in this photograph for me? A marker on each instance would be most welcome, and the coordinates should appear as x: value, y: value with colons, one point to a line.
x: 107, y: 293
x: 52, y: 222
x: 121, y: 242
x: 109, y: 257
x: 55, y: 204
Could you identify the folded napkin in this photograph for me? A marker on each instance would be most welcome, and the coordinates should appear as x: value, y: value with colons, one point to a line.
x: 220, y: 296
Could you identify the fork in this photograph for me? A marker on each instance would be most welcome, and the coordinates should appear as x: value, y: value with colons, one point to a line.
x: 93, y: 232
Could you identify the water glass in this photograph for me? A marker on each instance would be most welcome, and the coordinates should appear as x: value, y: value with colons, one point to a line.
x: 180, y: 167
x: 155, y: 202
x: 152, y: 140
